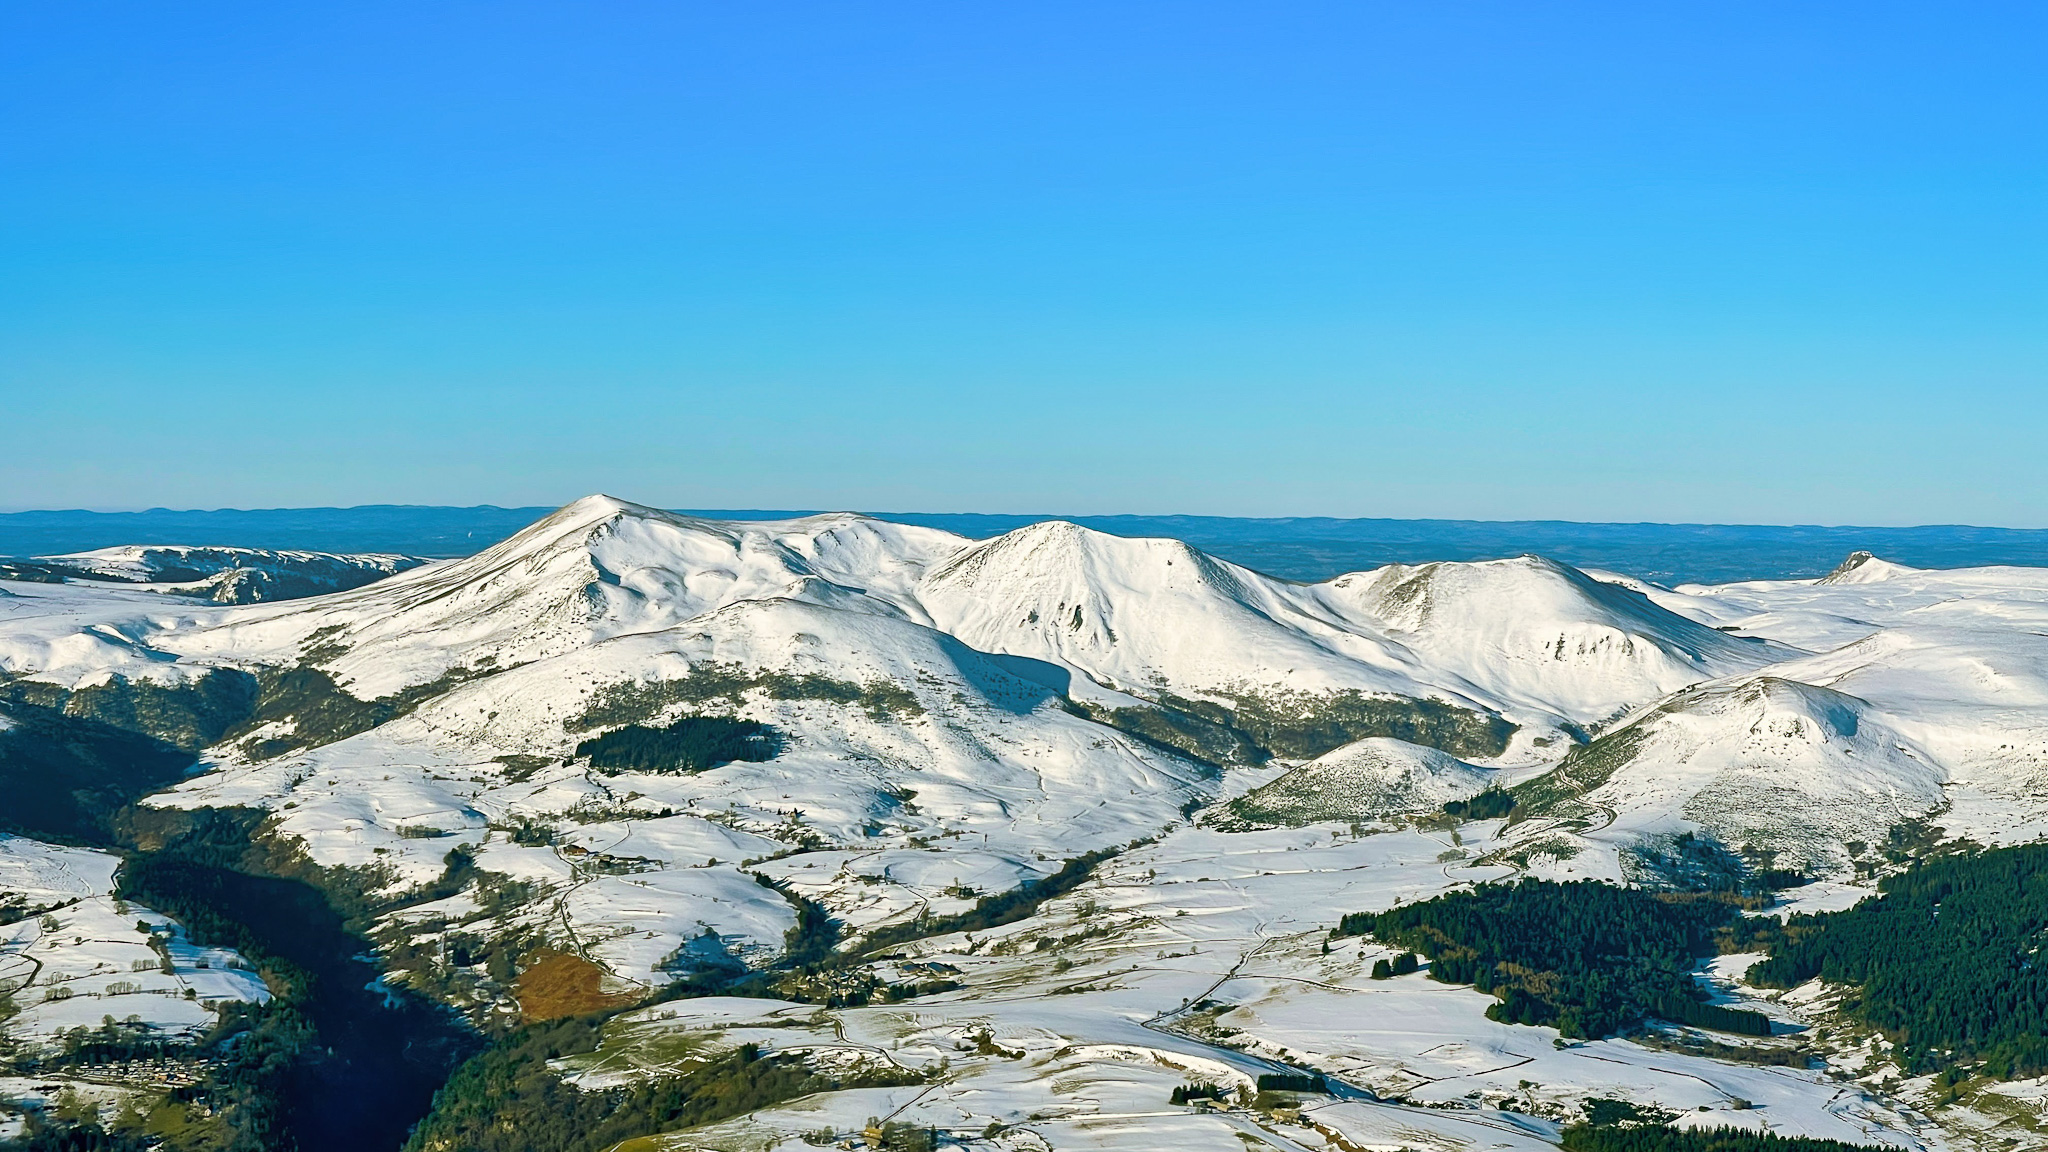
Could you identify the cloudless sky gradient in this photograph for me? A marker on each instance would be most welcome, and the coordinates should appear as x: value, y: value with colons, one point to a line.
x: 1621, y: 261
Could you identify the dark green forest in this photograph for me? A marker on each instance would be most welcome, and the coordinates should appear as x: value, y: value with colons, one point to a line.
x: 65, y: 776
x: 1659, y: 1138
x: 1946, y: 959
x: 1587, y: 958
x: 330, y: 1063
x: 1491, y: 804
x: 692, y: 744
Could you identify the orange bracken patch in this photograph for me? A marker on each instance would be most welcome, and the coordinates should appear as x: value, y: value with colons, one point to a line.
x: 560, y: 984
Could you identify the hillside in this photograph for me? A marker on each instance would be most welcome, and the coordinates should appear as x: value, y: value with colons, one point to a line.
x: 1782, y: 770
x: 222, y: 575
x: 1370, y: 780
x: 1544, y: 635
x: 1485, y: 649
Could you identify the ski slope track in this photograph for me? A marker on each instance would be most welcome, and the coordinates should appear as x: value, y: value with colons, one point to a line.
x: 948, y: 718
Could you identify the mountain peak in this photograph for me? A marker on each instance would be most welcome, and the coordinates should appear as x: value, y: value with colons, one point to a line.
x: 1864, y: 568
x: 597, y: 508
x: 1060, y: 550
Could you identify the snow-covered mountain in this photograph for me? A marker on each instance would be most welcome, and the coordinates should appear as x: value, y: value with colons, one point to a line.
x: 1495, y: 647
x: 597, y: 569
x: 1545, y: 636
x: 1923, y: 699
x: 1047, y: 692
x: 223, y: 575
x: 1760, y: 763
x: 931, y: 719
x: 1541, y: 645
x: 1864, y: 568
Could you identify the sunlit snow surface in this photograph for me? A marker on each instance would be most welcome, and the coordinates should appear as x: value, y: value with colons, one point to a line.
x: 1086, y: 1057
x: 85, y: 956
x: 1799, y: 716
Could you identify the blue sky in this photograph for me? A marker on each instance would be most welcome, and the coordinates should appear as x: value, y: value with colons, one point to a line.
x: 1703, y: 262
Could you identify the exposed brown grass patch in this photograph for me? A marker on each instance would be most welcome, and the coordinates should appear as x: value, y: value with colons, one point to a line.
x: 560, y: 984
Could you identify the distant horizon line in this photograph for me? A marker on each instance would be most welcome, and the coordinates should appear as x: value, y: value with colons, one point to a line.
x: 768, y: 514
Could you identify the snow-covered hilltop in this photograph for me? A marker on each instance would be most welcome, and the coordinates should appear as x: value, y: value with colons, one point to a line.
x: 222, y: 575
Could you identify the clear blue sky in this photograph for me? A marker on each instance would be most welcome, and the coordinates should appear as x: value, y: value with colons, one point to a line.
x: 1708, y: 261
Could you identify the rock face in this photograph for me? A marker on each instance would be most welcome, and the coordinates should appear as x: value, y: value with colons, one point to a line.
x: 1863, y: 568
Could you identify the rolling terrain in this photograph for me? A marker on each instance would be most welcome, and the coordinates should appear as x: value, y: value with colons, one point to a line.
x: 1010, y: 837
x: 222, y: 575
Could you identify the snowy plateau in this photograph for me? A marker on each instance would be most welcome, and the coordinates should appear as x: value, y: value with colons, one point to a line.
x: 1245, y: 759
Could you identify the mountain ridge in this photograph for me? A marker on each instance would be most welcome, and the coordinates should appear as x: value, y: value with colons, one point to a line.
x: 1300, y: 548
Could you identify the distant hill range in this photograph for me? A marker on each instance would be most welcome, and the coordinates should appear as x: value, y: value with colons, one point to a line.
x: 1298, y: 548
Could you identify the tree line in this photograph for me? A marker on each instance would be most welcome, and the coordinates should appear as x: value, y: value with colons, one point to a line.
x: 1661, y: 1138
x: 1587, y: 958
x: 692, y: 744
x: 1945, y: 959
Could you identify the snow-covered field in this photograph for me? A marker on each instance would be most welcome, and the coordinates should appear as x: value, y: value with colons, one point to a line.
x: 83, y: 955
x: 939, y: 706
x: 1209, y: 966
x: 81, y: 959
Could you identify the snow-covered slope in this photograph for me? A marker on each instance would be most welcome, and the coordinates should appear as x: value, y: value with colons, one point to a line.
x: 1974, y: 699
x: 596, y: 569
x: 1543, y: 635
x: 1521, y: 643
x: 1145, y: 616
x: 890, y: 734
x: 950, y: 718
x: 223, y: 575
x: 1864, y: 595
x: 71, y: 955
x: 70, y: 634
x: 1536, y: 641
x: 918, y: 686
x: 1760, y: 763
